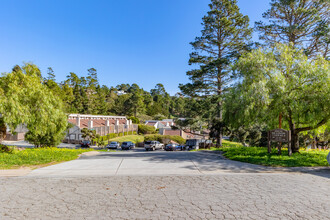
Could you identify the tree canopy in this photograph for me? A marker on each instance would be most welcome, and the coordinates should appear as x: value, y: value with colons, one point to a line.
x: 304, y: 23
x: 25, y: 100
x: 283, y: 80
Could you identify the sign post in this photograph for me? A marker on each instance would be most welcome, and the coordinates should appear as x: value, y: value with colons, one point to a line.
x: 279, y: 135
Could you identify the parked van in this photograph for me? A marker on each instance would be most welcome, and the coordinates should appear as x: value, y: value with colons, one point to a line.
x: 193, y: 144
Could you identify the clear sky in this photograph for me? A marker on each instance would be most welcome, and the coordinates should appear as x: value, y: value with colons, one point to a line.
x: 144, y: 42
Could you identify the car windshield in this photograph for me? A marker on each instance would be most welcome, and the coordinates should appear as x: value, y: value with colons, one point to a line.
x: 113, y: 143
x: 125, y: 143
x: 147, y: 142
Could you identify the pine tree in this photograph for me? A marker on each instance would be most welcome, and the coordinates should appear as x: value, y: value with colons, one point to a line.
x: 304, y: 23
x: 50, y: 74
x: 225, y: 34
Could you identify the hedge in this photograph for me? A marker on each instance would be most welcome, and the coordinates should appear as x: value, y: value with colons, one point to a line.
x: 114, y: 135
x: 146, y: 129
x: 164, y: 138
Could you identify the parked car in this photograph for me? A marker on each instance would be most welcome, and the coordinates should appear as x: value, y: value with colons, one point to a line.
x: 173, y: 147
x: 193, y: 144
x: 181, y: 147
x: 127, y: 145
x: 85, y: 144
x: 153, y: 145
x: 113, y: 145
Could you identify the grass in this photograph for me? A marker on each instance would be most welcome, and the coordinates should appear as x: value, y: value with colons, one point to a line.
x: 35, y: 157
x: 134, y: 138
x: 259, y: 155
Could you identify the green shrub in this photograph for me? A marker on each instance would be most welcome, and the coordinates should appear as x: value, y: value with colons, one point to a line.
x: 146, y: 129
x: 165, y: 138
x: 113, y: 135
x: 5, y: 149
x: 135, y: 120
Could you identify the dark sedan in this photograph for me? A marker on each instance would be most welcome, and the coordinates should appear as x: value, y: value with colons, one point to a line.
x: 127, y: 145
x: 85, y: 144
x: 173, y: 147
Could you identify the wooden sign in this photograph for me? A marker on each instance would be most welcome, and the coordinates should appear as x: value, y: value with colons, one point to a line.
x: 279, y: 135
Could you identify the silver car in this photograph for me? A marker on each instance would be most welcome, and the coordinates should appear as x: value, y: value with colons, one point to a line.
x: 153, y: 145
x: 113, y: 145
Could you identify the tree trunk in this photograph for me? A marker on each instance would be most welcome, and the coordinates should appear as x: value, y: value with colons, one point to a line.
x: 219, y: 133
x: 3, y: 131
x: 219, y: 138
x: 294, y: 141
x: 294, y: 135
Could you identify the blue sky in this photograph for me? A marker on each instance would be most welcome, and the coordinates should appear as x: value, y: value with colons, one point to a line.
x: 144, y: 42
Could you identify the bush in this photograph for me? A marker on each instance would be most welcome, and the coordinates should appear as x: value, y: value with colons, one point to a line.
x: 5, y: 149
x: 145, y: 129
x: 113, y: 135
x: 135, y: 120
x: 165, y: 138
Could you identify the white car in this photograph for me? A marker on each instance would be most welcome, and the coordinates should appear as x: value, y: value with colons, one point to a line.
x: 113, y: 145
x: 153, y: 145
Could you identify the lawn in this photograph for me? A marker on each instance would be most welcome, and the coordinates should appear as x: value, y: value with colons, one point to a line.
x: 134, y: 138
x: 37, y: 157
x: 259, y: 155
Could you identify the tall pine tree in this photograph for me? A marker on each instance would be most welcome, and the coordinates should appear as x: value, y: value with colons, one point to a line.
x: 225, y: 34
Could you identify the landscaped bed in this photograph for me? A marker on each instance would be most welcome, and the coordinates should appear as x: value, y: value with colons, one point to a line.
x: 36, y: 157
x: 259, y: 155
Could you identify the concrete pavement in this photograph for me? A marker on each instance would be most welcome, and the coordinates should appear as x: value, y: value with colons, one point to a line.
x: 157, y: 163
x: 164, y: 185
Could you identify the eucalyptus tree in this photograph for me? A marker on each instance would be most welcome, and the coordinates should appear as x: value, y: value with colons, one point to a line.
x: 224, y: 36
x: 305, y: 23
x: 283, y: 80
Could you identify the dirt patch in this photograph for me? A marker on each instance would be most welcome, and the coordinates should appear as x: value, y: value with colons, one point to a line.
x: 90, y: 153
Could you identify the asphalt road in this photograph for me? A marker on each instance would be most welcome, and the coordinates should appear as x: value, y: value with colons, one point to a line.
x: 165, y: 185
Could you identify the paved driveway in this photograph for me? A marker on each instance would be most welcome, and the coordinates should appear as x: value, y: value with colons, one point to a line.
x: 164, y: 185
x: 157, y: 163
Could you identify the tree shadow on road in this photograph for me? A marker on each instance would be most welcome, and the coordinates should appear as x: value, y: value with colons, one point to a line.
x: 206, y: 162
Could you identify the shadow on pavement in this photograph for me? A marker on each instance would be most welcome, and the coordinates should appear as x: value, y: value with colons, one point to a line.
x: 206, y: 162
